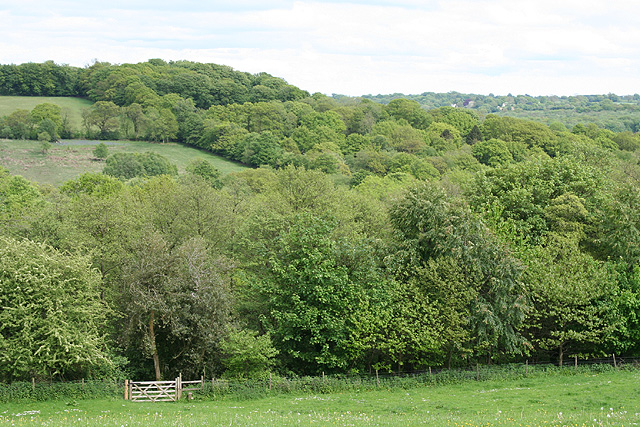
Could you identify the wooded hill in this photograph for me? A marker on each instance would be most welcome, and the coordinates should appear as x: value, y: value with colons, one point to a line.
x: 367, y: 236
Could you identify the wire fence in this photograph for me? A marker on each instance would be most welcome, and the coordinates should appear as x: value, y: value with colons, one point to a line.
x: 242, y: 389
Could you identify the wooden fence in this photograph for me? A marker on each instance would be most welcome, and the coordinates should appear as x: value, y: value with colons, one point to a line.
x: 159, y: 391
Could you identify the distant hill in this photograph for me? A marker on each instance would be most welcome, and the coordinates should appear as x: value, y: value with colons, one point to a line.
x: 610, y: 111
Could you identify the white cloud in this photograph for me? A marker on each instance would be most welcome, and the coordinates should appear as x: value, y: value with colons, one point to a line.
x: 354, y: 47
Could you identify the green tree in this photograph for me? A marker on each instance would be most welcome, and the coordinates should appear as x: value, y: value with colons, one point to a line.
x: 311, y: 300
x: 430, y: 226
x: 573, y: 298
x: 247, y: 354
x: 104, y: 116
x: 410, y: 111
x: 130, y: 165
x: 52, y: 317
x: 492, y: 152
x: 101, y: 151
x: 20, y: 124
x: 443, y: 136
x: 46, y: 111
x: 18, y: 198
x: 175, y: 304
x: 205, y: 170
x: 45, y: 145
x: 47, y: 130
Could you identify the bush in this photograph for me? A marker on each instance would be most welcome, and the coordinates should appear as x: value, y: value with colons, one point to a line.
x: 131, y: 165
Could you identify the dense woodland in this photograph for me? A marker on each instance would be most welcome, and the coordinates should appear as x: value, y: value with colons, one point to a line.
x: 365, y: 236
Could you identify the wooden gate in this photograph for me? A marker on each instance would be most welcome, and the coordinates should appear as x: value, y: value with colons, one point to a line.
x: 159, y: 391
x: 152, y: 391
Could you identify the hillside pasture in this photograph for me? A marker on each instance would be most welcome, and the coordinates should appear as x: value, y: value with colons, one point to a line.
x: 70, y: 159
x: 71, y: 106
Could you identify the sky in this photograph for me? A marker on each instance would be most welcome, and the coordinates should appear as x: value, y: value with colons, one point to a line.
x: 356, y: 47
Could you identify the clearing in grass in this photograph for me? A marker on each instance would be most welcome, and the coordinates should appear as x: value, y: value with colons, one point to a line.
x: 70, y: 159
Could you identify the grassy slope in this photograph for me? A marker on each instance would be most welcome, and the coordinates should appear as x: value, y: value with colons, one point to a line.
x: 587, y: 398
x: 64, y: 162
x: 73, y: 106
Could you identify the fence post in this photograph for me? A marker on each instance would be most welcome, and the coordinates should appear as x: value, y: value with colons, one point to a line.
x: 477, y: 371
x: 33, y: 384
x: 526, y: 367
x: 615, y: 364
x: 269, y: 380
x: 575, y: 361
x: 126, y: 389
x: 202, y: 383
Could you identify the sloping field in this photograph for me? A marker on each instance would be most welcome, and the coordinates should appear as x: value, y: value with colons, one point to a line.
x: 73, y: 106
x: 71, y: 159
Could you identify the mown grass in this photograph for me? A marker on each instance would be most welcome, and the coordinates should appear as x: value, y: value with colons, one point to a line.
x: 73, y: 106
x: 562, y: 398
x: 72, y: 158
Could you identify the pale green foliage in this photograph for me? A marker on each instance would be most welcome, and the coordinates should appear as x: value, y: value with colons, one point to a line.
x: 431, y: 226
x: 443, y: 136
x: 573, y: 298
x: 247, y: 354
x: 52, y: 317
x: 492, y: 152
x: 17, y: 197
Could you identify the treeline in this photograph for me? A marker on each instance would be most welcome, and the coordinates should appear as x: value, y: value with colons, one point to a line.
x: 205, y: 84
x: 285, y: 270
x: 367, y: 236
x: 610, y: 111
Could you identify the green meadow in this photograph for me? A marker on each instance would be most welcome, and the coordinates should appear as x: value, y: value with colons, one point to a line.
x: 70, y: 159
x: 560, y: 398
x: 72, y: 106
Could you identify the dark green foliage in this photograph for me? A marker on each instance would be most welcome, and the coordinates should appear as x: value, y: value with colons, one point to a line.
x: 101, y: 151
x: 69, y: 391
x: 206, y: 171
x: 130, y: 165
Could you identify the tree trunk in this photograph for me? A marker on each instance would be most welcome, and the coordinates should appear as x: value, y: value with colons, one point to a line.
x: 154, y: 349
x: 561, y: 355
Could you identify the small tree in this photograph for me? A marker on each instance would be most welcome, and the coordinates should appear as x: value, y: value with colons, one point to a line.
x: 101, y: 151
x: 45, y: 145
x: 247, y: 355
x: 205, y: 170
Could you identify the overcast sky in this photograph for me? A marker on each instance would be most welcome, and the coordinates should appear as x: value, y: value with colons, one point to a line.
x: 357, y: 47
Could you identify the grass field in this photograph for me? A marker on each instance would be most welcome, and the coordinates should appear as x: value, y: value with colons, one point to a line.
x: 610, y: 398
x: 72, y: 158
x: 74, y: 106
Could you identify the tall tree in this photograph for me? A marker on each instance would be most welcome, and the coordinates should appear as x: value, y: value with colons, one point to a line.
x: 175, y: 304
x: 52, y: 317
x: 430, y: 226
